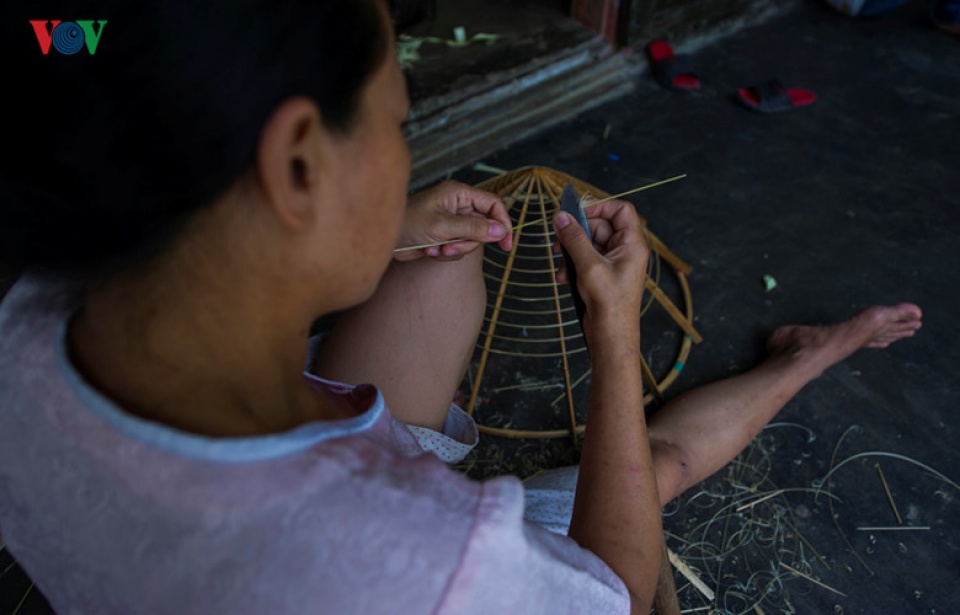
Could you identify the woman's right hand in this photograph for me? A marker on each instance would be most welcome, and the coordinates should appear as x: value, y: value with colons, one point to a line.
x: 610, y: 280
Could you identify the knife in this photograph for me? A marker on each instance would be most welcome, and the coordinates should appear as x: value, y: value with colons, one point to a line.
x: 570, y: 203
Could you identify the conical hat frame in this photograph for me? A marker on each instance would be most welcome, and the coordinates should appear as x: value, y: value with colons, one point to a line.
x: 532, y: 191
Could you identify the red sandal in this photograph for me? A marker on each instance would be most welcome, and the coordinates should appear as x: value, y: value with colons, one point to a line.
x: 672, y: 71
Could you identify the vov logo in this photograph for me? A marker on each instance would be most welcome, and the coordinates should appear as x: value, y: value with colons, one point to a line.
x: 68, y: 37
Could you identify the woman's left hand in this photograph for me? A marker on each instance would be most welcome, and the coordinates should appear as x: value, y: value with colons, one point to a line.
x: 453, y: 211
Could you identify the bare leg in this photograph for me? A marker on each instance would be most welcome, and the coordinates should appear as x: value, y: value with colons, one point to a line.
x: 414, y: 338
x: 698, y: 433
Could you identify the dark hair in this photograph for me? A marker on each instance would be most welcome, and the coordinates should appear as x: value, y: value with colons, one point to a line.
x: 116, y: 149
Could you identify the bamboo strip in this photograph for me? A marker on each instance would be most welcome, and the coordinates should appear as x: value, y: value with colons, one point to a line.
x: 650, y: 378
x: 690, y: 575
x: 812, y: 580
x: 471, y: 404
x: 563, y: 344
x: 576, y: 383
x: 886, y: 489
x: 523, y: 299
x: 529, y: 312
x: 799, y: 535
x: 525, y: 284
x: 759, y: 500
x: 496, y: 184
x: 532, y: 355
x: 449, y: 241
x: 666, y: 253
x: 513, y: 325
x: 487, y: 259
x: 533, y: 434
x: 640, y: 189
x: 671, y: 309
x: 537, y: 340
x: 552, y: 181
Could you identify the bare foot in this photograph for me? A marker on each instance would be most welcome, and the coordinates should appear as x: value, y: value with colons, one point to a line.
x: 821, y: 347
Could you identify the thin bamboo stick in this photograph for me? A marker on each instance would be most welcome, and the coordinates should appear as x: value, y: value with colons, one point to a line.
x: 650, y: 378
x: 536, y: 340
x: 690, y: 575
x: 666, y: 253
x: 449, y: 241
x: 513, y: 325
x: 535, y: 434
x: 640, y: 189
x: 547, y: 178
x: 471, y: 404
x: 886, y: 489
x: 812, y: 580
x: 563, y: 344
x: 672, y: 309
x: 759, y: 500
x: 533, y: 355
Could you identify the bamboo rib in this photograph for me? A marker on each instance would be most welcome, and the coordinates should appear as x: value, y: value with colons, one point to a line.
x: 543, y: 185
x: 534, y: 355
x: 666, y: 254
x: 514, y: 325
x: 527, y: 257
x: 690, y: 575
x: 522, y: 299
x: 533, y: 434
x: 494, y: 278
x: 650, y: 378
x: 528, y: 312
x: 472, y: 403
x: 563, y: 344
x: 671, y: 309
x: 487, y: 259
x: 576, y: 383
x: 674, y: 373
x: 449, y: 241
x: 496, y: 184
x: 535, y: 340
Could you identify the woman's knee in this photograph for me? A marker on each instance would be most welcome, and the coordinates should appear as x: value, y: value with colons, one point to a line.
x: 672, y: 467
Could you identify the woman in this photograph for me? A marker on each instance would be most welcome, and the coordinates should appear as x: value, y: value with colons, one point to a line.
x: 208, y: 184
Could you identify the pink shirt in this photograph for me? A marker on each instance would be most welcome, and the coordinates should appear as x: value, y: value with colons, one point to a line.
x: 109, y: 513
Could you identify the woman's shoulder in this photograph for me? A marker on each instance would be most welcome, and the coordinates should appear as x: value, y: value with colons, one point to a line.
x: 34, y: 304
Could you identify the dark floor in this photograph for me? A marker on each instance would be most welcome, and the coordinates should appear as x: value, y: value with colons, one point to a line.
x: 848, y: 203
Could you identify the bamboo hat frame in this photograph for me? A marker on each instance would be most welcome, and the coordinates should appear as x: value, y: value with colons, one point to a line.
x: 529, y: 310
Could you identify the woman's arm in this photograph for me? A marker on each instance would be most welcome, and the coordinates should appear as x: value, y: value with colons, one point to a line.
x: 616, y: 511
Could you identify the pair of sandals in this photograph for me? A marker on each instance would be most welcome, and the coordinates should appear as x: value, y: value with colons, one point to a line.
x: 674, y: 73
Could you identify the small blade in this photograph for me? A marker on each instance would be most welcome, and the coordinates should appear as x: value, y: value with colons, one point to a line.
x: 570, y: 203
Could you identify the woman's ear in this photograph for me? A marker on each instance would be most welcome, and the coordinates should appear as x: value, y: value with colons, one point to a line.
x: 289, y: 161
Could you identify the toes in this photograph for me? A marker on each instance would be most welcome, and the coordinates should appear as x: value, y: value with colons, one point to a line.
x: 908, y: 312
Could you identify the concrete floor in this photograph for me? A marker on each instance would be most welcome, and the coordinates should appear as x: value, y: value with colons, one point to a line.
x: 848, y: 203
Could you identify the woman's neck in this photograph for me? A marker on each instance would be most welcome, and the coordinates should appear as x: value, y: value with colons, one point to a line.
x: 200, y: 349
